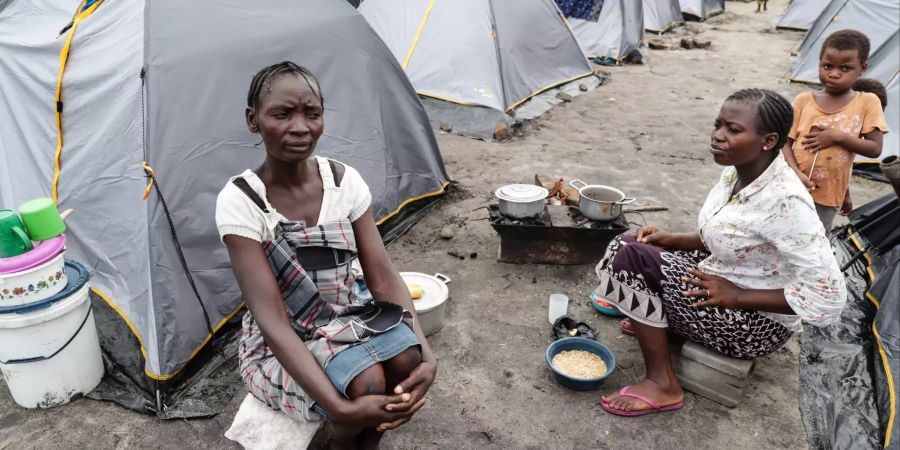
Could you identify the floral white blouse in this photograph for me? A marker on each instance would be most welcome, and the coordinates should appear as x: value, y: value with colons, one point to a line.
x: 768, y: 236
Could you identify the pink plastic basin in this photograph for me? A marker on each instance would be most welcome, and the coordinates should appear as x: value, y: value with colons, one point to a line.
x: 40, y: 254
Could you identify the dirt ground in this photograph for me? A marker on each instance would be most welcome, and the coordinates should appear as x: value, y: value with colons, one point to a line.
x: 645, y: 132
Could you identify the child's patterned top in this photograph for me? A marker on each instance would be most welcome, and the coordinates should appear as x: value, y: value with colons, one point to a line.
x: 831, y: 173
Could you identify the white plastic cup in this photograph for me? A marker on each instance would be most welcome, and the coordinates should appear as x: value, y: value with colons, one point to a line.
x: 559, y: 304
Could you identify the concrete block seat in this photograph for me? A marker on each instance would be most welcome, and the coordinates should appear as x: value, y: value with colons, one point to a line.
x: 713, y: 375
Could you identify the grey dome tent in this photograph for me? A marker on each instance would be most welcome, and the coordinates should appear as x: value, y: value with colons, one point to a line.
x: 701, y: 9
x: 661, y: 15
x: 891, y: 144
x: 616, y: 32
x: 801, y: 14
x: 878, y: 19
x: 885, y: 61
x: 478, y: 60
x: 884, y: 66
x: 822, y: 21
x: 160, y: 88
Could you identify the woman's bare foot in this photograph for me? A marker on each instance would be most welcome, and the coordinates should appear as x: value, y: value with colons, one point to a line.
x: 663, y: 395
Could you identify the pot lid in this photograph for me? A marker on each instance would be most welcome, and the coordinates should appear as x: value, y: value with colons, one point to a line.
x: 522, y: 193
x: 435, y: 291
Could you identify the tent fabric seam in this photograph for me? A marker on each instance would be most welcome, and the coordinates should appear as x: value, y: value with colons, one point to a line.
x: 890, y: 381
x: 415, y: 41
x: 122, y: 314
x: 884, y: 361
x: 209, y: 337
x: 448, y: 99
x: 406, y: 202
x: 148, y: 372
x: 63, y: 59
x: 549, y: 86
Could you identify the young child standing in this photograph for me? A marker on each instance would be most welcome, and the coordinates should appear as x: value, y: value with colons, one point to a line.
x: 864, y: 85
x: 832, y: 125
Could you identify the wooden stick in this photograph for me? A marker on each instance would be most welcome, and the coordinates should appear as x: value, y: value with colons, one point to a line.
x: 648, y: 208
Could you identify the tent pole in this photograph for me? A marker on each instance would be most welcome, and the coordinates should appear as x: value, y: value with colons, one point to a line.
x: 856, y: 257
x: 159, y: 402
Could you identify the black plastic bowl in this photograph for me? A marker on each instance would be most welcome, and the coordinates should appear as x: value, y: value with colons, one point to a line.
x: 577, y: 343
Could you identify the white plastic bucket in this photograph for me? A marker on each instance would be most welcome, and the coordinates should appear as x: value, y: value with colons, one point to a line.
x: 50, y: 355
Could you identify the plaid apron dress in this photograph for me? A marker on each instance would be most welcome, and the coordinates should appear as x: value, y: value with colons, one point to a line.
x: 312, y: 266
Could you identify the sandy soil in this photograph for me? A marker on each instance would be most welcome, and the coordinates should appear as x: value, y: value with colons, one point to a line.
x: 646, y: 132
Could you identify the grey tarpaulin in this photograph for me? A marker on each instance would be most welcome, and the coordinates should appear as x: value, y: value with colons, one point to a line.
x: 849, y: 371
x: 615, y: 34
x: 482, y: 53
x: 166, y: 82
x: 661, y: 15
x: 701, y: 9
x: 801, y: 14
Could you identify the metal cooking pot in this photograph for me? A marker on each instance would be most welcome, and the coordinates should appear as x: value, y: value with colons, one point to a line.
x: 432, y: 307
x: 521, y: 201
x: 599, y: 202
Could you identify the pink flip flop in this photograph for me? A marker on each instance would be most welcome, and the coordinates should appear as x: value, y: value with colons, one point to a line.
x: 653, y: 407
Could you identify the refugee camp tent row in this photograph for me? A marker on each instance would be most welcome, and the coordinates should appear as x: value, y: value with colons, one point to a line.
x: 801, y: 14
x: 616, y: 33
x: 822, y: 21
x: 661, y: 15
x: 476, y: 61
x: 162, y: 86
x: 880, y: 21
x: 701, y: 9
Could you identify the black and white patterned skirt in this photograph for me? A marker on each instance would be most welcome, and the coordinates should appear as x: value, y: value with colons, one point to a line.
x: 644, y: 282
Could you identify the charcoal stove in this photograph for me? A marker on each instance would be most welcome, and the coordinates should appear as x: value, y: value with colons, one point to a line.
x: 560, y: 235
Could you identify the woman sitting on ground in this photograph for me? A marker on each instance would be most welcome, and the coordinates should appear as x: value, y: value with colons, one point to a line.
x: 293, y: 227
x: 759, y: 266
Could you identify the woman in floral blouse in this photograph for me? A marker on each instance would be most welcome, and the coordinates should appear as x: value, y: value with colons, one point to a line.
x: 759, y: 266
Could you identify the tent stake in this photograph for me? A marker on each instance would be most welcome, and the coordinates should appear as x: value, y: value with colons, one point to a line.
x: 159, y: 403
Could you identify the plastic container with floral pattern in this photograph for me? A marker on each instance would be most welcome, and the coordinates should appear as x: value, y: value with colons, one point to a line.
x: 34, y: 284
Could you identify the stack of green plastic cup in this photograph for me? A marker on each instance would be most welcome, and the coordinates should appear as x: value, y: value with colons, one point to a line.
x: 13, y: 237
x: 41, y: 219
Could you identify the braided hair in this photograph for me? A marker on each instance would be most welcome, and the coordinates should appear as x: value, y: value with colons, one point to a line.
x: 774, y: 114
x: 264, y: 78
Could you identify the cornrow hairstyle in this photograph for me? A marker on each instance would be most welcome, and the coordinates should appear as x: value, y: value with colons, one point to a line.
x: 874, y: 86
x: 848, y: 40
x: 774, y: 113
x: 264, y: 78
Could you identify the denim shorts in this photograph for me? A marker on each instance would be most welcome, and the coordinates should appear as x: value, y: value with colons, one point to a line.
x: 349, y: 363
